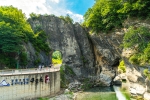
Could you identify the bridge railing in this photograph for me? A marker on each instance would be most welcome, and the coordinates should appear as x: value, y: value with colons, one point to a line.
x: 28, y: 71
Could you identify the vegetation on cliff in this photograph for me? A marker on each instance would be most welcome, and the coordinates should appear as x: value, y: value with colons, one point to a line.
x: 108, y: 14
x: 137, y: 38
x: 15, y: 31
x: 57, y: 57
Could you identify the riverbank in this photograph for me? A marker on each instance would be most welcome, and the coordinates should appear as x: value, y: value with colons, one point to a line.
x: 97, y: 93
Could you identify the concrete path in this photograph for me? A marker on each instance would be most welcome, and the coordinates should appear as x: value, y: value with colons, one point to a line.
x: 30, y: 70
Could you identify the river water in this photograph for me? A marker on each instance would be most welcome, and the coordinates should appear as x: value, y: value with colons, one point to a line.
x: 101, y: 93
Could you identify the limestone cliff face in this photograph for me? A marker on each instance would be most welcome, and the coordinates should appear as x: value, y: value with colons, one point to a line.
x: 70, y: 39
x: 107, y: 56
x: 87, y: 55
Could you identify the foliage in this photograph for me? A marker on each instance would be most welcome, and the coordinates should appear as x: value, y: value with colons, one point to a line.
x: 137, y: 38
x: 126, y: 93
x: 103, y: 16
x: 121, y: 67
x: 65, y: 70
x: 23, y: 59
x: 146, y: 73
x: 86, y: 84
x: 57, y: 57
x: 63, y: 80
x: 14, y: 31
x: 98, y: 96
x: 39, y: 42
x: 67, y: 18
x: 37, y: 61
x: 34, y: 16
x: 108, y: 14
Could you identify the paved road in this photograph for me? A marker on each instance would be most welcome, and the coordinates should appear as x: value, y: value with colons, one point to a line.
x: 30, y: 70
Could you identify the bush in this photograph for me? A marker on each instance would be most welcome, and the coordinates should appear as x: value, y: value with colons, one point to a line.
x: 146, y: 73
x: 121, y: 67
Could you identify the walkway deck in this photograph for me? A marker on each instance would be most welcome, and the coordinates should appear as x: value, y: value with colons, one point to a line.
x: 29, y: 71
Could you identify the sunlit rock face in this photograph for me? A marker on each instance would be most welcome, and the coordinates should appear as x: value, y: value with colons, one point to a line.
x: 86, y: 55
x: 107, y: 56
x: 70, y: 39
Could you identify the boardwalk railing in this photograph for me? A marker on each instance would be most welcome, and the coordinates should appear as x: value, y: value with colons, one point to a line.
x: 28, y: 71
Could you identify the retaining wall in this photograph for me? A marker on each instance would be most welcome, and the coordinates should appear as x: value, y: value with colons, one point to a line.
x: 23, y: 87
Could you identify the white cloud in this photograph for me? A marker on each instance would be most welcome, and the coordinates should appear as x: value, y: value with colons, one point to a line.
x: 56, y: 1
x: 56, y: 7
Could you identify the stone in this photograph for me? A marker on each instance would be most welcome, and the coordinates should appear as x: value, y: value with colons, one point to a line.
x: 117, y: 82
x: 106, y: 78
x: 132, y: 77
x: 146, y: 96
x: 66, y: 91
x: 133, y: 91
x: 147, y: 85
x: 117, y: 78
x: 139, y: 88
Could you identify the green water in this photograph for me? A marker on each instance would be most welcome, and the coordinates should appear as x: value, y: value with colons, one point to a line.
x: 98, y: 93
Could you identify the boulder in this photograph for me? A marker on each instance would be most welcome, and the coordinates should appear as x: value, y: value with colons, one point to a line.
x: 148, y: 85
x: 140, y: 89
x: 146, y: 96
x: 133, y: 91
x: 132, y: 77
x: 117, y: 82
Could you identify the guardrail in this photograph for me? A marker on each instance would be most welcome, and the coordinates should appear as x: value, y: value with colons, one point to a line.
x: 28, y: 71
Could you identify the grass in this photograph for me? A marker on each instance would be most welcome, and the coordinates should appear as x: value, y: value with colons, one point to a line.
x: 98, y: 96
x: 126, y: 94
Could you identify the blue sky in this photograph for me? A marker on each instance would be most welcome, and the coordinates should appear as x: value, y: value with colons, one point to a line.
x: 79, y: 6
x: 75, y: 8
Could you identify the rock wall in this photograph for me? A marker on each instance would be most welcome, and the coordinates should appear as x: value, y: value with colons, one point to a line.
x: 29, y: 86
x: 70, y: 39
x: 86, y: 55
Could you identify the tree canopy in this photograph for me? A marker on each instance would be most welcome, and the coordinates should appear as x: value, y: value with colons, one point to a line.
x: 14, y: 31
x: 108, y: 14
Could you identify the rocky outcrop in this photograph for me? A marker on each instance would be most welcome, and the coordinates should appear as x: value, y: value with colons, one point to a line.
x: 107, y: 56
x: 70, y: 39
x: 87, y: 56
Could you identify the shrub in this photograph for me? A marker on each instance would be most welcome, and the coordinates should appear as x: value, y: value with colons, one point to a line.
x: 146, y: 73
x: 121, y: 67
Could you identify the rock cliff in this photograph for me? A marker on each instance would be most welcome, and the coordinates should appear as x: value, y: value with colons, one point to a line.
x: 86, y: 55
x: 70, y: 39
x: 96, y: 56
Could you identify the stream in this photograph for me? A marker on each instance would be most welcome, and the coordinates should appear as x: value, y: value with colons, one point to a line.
x: 102, y: 93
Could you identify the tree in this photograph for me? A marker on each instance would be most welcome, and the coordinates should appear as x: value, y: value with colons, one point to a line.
x: 108, y: 14
x: 103, y: 16
x: 14, y: 31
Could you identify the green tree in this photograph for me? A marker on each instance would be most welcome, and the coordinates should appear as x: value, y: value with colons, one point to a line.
x: 137, y: 38
x: 14, y: 31
x: 103, y: 15
x: 67, y: 18
x: 108, y: 14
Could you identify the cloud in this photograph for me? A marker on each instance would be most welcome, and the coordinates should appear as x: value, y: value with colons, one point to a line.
x: 56, y: 7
